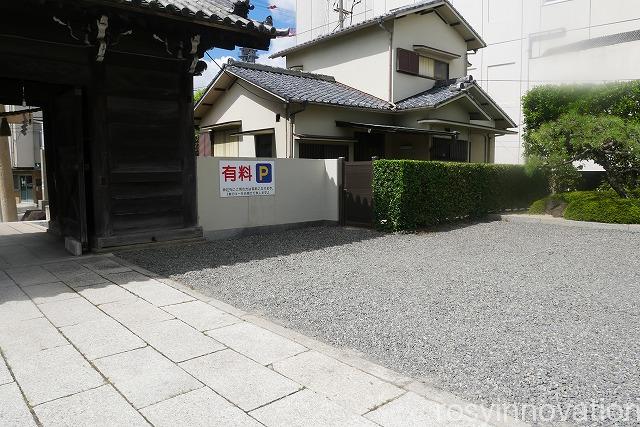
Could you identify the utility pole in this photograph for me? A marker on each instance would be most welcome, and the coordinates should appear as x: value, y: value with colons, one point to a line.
x: 7, y: 198
x: 341, y: 12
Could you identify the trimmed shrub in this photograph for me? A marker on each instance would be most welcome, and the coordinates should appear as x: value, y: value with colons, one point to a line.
x: 410, y: 194
x: 595, y: 206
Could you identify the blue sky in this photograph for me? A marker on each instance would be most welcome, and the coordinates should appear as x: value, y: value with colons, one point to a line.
x: 284, y: 16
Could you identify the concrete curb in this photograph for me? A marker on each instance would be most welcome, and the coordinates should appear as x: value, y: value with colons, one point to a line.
x: 550, y: 220
x: 346, y: 356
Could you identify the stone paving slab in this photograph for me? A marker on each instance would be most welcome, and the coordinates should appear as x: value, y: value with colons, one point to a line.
x: 87, y: 278
x: 13, y: 411
x: 345, y: 385
x: 201, y: 315
x: 29, y: 336
x: 129, y: 312
x: 54, y: 373
x: 71, y: 312
x: 412, y: 410
x: 104, y: 293
x: 176, y: 340
x: 5, y: 375
x: 146, y: 377
x: 64, y: 269
x: 99, y: 407
x: 74, y: 274
x: 104, y: 265
x: 16, y: 306
x: 308, y: 409
x: 50, y: 292
x: 32, y: 275
x: 5, y: 280
x: 198, y: 380
x: 100, y: 338
x: 258, y: 344
x: 198, y: 408
x: 151, y: 290
x: 239, y: 379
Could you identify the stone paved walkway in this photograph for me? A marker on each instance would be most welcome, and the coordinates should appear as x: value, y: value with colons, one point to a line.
x: 96, y: 341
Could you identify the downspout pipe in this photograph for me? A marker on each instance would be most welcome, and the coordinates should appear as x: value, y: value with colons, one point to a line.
x: 291, y: 120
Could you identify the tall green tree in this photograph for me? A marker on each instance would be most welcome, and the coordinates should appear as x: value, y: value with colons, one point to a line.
x: 610, y: 141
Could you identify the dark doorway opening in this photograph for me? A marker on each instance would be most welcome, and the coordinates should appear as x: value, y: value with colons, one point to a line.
x: 368, y: 145
x: 63, y: 122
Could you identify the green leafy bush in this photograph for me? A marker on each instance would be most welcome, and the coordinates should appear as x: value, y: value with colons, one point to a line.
x: 595, y: 206
x: 547, y: 103
x: 565, y: 124
x: 538, y: 207
x: 410, y: 194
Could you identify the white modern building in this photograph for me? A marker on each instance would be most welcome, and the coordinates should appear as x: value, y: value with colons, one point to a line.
x: 394, y: 87
x: 529, y: 42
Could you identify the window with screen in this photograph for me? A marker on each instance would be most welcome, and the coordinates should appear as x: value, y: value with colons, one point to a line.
x: 264, y: 145
x: 410, y: 62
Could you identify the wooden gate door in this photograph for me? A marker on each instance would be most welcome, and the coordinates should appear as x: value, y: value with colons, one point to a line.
x: 357, y: 200
x: 69, y: 165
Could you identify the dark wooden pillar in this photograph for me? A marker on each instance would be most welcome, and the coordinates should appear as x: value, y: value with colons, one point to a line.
x: 188, y: 148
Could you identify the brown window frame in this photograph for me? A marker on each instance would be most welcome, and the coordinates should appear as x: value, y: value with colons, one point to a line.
x: 408, y: 62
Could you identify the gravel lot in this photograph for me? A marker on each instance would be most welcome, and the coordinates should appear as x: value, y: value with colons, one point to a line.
x: 497, y: 313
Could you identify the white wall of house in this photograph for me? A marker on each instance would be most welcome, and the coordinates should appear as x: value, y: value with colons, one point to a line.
x: 360, y: 61
x: 255, y: 111
x: 428, y: 30
x: 517, y: 33
x: 306, y: 191
x: 321, y: 120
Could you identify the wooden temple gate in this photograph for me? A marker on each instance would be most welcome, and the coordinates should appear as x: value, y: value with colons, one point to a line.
x: 115, y: 81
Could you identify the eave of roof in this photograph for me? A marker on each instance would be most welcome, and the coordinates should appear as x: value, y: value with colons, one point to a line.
x: 393, y: 14
x: 443, y: 93
x: 223, y: 13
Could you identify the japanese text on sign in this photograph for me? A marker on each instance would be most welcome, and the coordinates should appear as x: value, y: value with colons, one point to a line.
x: 240, y: 178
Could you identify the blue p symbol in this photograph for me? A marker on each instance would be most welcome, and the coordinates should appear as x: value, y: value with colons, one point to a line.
x: 264, y: 174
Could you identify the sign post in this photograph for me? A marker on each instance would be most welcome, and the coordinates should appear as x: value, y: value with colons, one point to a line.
x: 245, y: 178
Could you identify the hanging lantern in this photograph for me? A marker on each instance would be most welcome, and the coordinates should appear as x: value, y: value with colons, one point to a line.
x: 25, y: 125
x: 5, y: 130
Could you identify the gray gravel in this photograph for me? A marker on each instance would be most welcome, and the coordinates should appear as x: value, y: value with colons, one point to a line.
x: 493, y: 312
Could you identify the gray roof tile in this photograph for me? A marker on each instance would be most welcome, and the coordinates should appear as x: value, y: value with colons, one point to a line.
x: 298, y: 86
x: 224, y: 12
x: 443, y: 91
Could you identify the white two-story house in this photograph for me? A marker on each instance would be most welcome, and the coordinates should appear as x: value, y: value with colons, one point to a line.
x: 395, y: 86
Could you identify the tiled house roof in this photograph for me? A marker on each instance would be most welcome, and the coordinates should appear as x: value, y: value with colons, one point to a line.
x: 223, y: 12
x: 298, y: 86
x: 443, y: 91
x: 471, y: 34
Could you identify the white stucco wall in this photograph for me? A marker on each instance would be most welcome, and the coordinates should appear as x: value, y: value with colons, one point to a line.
x: 428, y: 30
x: 360, y: 60
x: 255, y: 112
x: 517, y: 32
x: 306, y: 190
x: 320, y: 120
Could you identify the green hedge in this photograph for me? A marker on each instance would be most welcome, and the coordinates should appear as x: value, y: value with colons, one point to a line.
x: 595, y: 206
x: 410, y: 194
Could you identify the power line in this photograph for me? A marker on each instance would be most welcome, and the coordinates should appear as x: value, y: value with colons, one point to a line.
x: 238, y: 82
